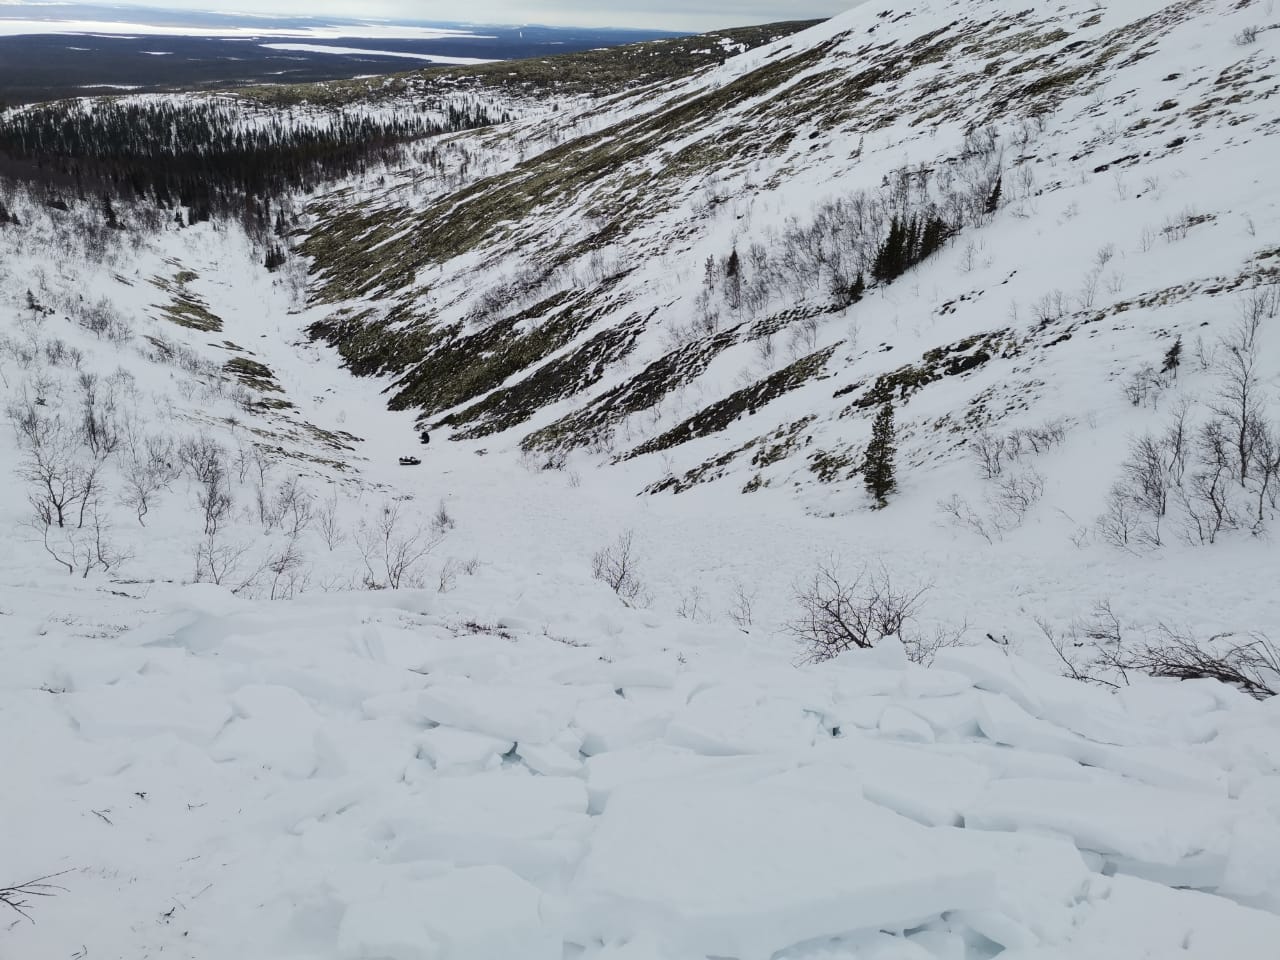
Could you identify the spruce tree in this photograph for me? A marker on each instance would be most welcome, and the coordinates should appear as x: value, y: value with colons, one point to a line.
x: 877, y: 465
x: 857, y: 289
x: 993, y: 199
x: 1173, y: 358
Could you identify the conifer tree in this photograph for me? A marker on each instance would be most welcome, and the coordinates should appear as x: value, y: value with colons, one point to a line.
x: 1173, y: 358
x: 993, y: 199
x: 857, y: 289
x: 877, y: 465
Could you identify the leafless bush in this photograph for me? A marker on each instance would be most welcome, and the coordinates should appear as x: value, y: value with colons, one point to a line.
x: 840, y: 613
x: 214, y: 497
x: 84, y: 548
x: 1206, y: 497
x: 59, y: 354
x: 988, y: 450
x: 741, y: 606
x: 442, y: 520
x: 149, y: 465
x: 290, y: 507
x: 218, y: 561
x: 963, y: 514
x: 1238, y: 398
x: 1251, y: 665
x: 99, y: 425
x: 17, y: 897
x: 62, y: 481
x: 923, y: 648
x: 1100, y: 649
x: 1120, y: 523
x: 690, y: 605
x: 1139, y: 501
x: 1143, y: 388
x: 288, y: 571
x: 102, y: 319
x: 394, y: 549
x: 1051, y: 307
x: 1247, y: 36
x: 1005, y: 507
x: 327, y: 520
x: 618, y: 566
x: 202, y: 458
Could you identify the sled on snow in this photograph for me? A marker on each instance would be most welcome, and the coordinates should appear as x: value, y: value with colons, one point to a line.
x: 410, y: 462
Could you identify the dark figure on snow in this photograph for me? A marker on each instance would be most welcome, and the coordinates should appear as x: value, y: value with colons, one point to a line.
x: 424, y: 437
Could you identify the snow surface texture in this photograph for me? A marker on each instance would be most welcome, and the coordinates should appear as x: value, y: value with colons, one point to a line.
x: 513, y: 764
x: 354, y: 776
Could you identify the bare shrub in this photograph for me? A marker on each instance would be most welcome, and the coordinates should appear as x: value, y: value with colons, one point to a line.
x: 218, y: 561
x: 442, y: 520
x: 618, y: 566
x: 1120, y: 523
x: 1237, y: 400
x: 288, y: 571
x: 1005, y: 506
x: 214, y: 497
x: 327, y: 521
x: 1206, y: 496
x: 741, y: 606
x: 840, y: 613
x: 963, y: 515
x: 17, y: 897
x: 84, y: 548
x: 988, y: 450
x: 149, y: 465
x: 202, y: 458
x: 1015, y: 495
x: 99, y: 420
x: 690, y: 606
x: 1100, y: 649
x: 1251, y: 665
x: 62, y: 481
x: 1143, y: 387
x: 394, y: 549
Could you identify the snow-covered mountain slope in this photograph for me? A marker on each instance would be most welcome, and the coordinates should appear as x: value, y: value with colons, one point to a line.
x: 586, y: 297
x: 297, y: 701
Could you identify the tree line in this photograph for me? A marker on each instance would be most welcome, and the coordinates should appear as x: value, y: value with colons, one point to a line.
x: 206, y: 156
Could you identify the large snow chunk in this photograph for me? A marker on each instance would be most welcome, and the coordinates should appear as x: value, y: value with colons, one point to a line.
x: 536, y: 826
x: 611, y: 723
x: 1003, y: 721
x: 482, y: 913
x: 1110, y: 817
x: 929, y: 786
x: 721, y: 870
x: 730, y: 720
x: 515, y: 712
x: 460, y: 751
x: 144, y: 710
x: 650, y: 762
x: 275, y: 728
x: 897, y: 723
x: 550, y: 759
x: 1125, y: 918
x: 994, y: 671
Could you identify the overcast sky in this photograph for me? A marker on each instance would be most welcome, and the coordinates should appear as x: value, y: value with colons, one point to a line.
x: 650, y: 14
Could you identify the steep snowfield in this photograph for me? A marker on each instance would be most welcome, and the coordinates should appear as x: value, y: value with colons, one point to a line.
x: 501, y: 759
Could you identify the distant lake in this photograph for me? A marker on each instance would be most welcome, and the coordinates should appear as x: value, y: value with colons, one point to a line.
x: 67, y: 50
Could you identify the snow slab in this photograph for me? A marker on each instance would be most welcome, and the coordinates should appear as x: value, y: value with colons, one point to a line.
x: 715, y: 870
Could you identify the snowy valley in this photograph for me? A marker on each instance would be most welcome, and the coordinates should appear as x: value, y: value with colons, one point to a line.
x: 652, y: 656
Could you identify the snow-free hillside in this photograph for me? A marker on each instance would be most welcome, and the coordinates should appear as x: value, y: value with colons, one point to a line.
x: 269, y: 694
